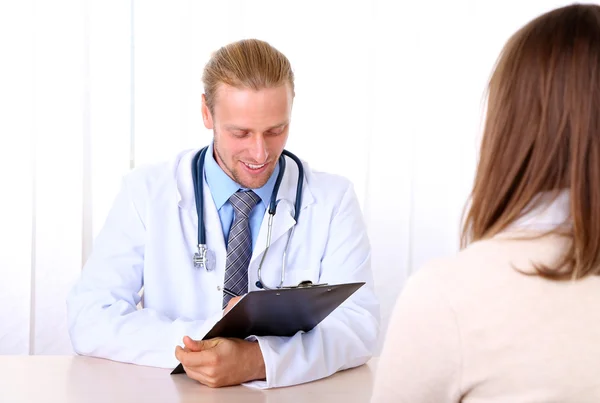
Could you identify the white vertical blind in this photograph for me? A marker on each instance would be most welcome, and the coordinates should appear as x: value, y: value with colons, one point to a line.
x: 388, y: 94
x: 111, y: 86
x: 16, y: 198
x: 60, y: 128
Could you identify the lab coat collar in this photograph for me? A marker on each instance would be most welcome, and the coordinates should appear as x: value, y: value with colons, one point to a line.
x: 285, y: 197
x: 222, y: 186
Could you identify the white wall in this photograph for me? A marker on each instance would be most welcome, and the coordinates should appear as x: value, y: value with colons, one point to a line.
x: 391, y: 92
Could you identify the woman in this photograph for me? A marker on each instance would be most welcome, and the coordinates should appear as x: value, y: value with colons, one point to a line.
x: 515, y: 316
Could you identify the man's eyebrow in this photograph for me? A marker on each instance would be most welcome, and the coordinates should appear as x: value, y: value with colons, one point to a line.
x: 279, y: 125
x: 235, y: 127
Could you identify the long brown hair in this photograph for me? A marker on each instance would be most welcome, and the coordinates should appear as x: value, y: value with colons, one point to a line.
x: 542, y: 134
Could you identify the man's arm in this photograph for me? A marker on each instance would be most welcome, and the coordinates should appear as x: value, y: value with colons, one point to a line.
x: 102, y: 308
x: 347, y: 337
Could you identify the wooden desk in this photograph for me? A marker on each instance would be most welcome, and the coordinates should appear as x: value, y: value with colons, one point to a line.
x: 73, y: 379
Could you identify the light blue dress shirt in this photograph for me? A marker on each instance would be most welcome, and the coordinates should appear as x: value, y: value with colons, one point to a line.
x: 222, y: 187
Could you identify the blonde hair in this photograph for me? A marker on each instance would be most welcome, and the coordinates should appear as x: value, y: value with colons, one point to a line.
x: 542, y: 134
x: 249, y: 63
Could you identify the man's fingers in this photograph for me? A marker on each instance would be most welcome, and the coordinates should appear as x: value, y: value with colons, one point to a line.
x: 207, y: 365
x: 178, y: 353
x: 193, y: 345
x: 197, y: 374
x: 231, y: 303
x: 196, y: 359
x: 202, y: 377
x: 196, y: 365
x: 234, y: 301
x: 199, y: 345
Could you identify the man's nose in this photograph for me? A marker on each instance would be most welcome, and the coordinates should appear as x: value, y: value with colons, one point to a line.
x: 258, y: 149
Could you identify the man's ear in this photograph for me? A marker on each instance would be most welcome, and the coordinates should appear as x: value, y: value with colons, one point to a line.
x: 206, y: 115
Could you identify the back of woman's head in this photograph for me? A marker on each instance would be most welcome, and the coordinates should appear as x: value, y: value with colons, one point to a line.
x: 542, y: 134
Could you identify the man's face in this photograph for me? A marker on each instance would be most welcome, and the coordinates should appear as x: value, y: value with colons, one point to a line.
x: 250, y: 131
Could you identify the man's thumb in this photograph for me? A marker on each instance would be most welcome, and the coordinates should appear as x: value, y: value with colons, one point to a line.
x: 193, y: 345
x: 198, y: 345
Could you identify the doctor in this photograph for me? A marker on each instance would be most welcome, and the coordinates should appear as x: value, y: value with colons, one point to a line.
x: 151, y: 235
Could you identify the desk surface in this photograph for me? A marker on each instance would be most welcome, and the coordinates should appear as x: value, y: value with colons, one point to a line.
x: 83, y: 379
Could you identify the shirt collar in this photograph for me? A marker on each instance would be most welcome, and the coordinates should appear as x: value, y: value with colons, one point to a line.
x: 551, y: 211
x: 222, y: 187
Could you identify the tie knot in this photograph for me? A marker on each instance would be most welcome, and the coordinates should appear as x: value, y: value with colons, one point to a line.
x: 243, y: 202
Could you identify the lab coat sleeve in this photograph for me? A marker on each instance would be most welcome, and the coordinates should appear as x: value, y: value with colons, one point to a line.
x: 348, y: 336
x: 421, y: 358
x: 103, y: 317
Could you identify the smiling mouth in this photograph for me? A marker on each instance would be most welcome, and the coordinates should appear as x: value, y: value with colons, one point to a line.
x: 254, y: 166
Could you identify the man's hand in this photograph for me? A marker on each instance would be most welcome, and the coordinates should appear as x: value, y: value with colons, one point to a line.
x: 230, y: 304
x: 221, y: 362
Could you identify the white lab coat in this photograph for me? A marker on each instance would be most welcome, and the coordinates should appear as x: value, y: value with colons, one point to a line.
x: 149, y: 239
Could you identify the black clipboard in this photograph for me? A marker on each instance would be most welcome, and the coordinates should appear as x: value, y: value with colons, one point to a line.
x: 280, y: 312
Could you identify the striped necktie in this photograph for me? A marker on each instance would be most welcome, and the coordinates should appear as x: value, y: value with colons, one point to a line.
x: 239, y: 244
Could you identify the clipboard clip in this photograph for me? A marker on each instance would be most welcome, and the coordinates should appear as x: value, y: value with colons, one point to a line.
x: 307, y: 284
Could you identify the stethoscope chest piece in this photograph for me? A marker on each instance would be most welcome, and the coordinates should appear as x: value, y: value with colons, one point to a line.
x: 204, y: 258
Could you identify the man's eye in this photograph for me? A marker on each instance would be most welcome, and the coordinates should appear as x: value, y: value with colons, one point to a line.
x: 239, y: 133
x: 276, y: 132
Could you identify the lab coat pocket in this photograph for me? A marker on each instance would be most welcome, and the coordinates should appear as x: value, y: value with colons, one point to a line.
x: 295, y: 277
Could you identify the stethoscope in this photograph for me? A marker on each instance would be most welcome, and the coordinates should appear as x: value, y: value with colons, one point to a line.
x: 205, y: 258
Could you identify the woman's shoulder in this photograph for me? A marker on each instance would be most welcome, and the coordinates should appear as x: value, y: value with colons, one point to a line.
x: 485, y: 264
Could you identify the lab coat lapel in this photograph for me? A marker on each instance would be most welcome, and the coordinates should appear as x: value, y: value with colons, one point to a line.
x: 214, y: 230
x: 283, y: 221
x: 212, y: 223
x: 284, y: 217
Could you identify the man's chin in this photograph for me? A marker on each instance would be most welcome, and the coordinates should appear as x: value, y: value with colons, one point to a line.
x: 253, y: 183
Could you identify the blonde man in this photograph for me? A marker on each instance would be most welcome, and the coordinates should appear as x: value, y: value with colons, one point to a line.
x: 151, y: 235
